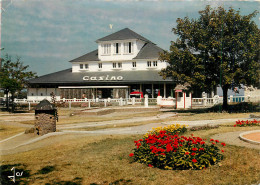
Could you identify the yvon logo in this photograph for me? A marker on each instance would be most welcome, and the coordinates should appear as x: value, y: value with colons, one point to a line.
x: 103, y: 78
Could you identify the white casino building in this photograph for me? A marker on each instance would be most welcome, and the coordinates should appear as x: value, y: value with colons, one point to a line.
x: 125, y: 62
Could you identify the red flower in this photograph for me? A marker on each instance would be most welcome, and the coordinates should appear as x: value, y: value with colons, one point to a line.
x: 194, y: 149
x: 217, y: 141
x: 194, y: 160
x: 222, y: 150
x: 131, y: 155
x: 193, y: 154
x: 211, y: 139
x: 187, y: 153
x: 150, y: 165
x: 201, y: 149
x: 223, y: 144
x: 213, y: 143
x: 202, y: 142
x: 162, y: 153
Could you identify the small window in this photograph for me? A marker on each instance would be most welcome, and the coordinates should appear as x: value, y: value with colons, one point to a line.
x: 100, y: 65
x: 81, y: 66
x: 41, y: 94
x: 149, y: 63
x: 86, y: 66
x: 32, y: 94
x: 119, y: 65
x: 114, y: 65
x: 155, y: 63
x: 134, y: 64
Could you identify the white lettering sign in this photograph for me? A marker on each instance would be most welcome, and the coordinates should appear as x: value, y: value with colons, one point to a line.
x: 102, y: 78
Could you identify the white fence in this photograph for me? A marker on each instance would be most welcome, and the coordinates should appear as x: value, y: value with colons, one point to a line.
x: 171, y: 102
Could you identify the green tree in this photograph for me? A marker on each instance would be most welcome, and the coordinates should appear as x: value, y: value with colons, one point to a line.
x: 14, y: 77
x: 221, y: 47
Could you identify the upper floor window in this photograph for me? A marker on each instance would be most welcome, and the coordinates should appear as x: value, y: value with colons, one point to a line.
x: 117, y: 48
x: 106, y: 49
x: 134, y: 64
x: 81, y: 66
x: 128, y: 47
x: 100, y: 65
x: 155, y: 63
x: 149, y: 63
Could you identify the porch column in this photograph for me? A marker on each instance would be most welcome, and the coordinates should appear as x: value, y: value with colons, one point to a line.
x: 152, y: 92
x: 164, y: 90
x: 141, y: 88
x: 126, y: 93
x: 184, y: 95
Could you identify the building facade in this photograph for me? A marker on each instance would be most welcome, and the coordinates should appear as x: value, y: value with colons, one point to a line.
x: 124, y: 63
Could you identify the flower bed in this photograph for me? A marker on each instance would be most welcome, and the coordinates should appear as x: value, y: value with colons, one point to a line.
x: 247, y: 123
x: 171, y: 129
x: 174, y: 152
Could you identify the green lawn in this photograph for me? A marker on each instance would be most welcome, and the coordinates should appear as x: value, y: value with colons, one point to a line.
x: 105, y: 160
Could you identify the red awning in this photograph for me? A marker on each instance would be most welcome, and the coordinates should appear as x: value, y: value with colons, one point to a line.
x: 137, y: 93
x: 178, y: 90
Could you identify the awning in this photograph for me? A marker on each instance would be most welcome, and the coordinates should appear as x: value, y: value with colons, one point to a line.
x: 93, y: 87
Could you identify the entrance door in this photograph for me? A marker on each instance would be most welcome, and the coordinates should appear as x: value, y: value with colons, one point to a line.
x: 107, y: 93
x: 180, y: 100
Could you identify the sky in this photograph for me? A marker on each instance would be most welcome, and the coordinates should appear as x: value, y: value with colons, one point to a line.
x: 47, y: 34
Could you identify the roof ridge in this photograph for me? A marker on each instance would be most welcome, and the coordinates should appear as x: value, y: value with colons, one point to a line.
x: 123, y: 34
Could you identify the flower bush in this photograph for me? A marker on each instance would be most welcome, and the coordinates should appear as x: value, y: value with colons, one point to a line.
x: 171, y: 151
x: 171, y: 129
x: 247, y: 123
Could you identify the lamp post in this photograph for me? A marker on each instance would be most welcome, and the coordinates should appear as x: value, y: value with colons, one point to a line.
x: 1, y: 58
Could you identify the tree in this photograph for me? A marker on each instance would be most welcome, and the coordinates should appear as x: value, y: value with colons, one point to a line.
x: 221, y: 47
x: 14, y: 77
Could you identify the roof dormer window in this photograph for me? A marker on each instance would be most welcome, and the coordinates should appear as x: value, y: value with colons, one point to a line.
x: 117, y: 48
x: 128, y: 47
x: 106, y: 49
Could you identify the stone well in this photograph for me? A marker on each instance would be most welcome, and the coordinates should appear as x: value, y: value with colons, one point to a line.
x: 45, y: 118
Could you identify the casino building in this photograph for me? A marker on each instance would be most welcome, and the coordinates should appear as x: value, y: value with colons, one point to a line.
x: 125, y: 63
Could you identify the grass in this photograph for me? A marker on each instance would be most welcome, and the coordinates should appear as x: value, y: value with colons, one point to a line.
x: 105, y: 160
x: 8, y: 131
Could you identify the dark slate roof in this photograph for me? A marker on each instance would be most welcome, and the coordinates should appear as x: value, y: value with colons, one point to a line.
x: 123, y: 35
x: 44, y: 105
x: 91, y: 56
x: 149, y: 50
x: 67, y: 77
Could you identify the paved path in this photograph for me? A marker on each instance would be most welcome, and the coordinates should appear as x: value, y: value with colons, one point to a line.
x: 232, y: 138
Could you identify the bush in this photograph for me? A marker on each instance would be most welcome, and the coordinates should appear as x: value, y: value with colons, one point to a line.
x: 247, y: 123
x: 174, y: 152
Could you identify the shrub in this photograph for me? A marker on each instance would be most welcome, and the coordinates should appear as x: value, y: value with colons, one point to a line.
x: 174, y: 152
x: 247, y: 123
x: 171, y: 129
x: 204, y: 127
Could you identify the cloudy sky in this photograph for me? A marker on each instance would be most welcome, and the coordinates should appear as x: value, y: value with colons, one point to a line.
x: 47, y: 34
